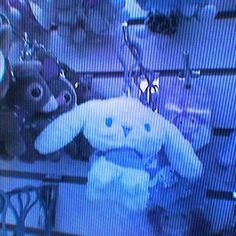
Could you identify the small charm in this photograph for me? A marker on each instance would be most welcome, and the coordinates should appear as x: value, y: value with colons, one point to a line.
x: 167, y: 177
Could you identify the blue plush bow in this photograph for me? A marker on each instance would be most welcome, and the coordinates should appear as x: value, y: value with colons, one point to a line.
x: 149, y: 88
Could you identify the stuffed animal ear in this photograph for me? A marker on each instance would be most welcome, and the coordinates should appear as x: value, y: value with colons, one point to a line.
x: 62, y: 130
x: 27, y: 69
x: 181, y: 154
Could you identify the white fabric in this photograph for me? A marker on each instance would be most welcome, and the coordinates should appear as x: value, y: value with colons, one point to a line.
x: 127, y: 186
x: 91, y: 118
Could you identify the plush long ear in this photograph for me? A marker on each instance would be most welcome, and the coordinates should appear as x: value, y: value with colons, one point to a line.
x: 181, y: 154
x: 62, y: 130
x: 27, y: 69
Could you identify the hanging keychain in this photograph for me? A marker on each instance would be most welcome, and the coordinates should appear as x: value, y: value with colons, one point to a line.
x: 146, y: 80
x: 149, y: 89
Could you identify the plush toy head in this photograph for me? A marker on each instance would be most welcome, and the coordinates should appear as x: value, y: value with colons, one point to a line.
x: 195, y: 127
x: 30, y: 93
x: 120, y: 123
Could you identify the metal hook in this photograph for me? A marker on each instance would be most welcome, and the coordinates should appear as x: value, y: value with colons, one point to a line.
x: 187, y: 73
x: 136, y: 52
x: 127, y: 74
x: 138, y: 68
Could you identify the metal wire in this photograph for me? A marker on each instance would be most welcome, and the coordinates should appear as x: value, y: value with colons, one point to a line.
x: 136, y: 52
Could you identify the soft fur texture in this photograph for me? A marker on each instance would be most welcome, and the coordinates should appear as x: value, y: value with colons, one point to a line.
x: 125, y: 132
x: 11, y: 142
x: 91, y: 117
x: 65, y: 96
x: 28, y: 96
x: 28, y: 81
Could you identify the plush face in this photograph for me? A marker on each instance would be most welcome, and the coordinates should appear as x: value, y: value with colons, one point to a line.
x: 64, y: 93
x: 120, y: 123
x: 188, y: 123
x: 30, y: 93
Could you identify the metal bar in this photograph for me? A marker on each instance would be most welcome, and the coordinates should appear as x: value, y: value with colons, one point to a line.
x: 222, y: 132
x: 43, y: 177
x: 223, y: 15
x: 136, y: 21
x: 37, y: 231
x: 162, y: 73
x: 28, y: 188
x: 223, y: 195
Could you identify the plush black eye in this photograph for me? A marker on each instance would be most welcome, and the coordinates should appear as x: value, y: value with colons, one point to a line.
x: 67, y: 97
x: 109, y: 122
x: 147, y: 127
x: 36, y: 92
x: 193, y: 121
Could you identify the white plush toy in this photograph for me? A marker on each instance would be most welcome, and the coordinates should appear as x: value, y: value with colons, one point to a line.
x: 125, y: 134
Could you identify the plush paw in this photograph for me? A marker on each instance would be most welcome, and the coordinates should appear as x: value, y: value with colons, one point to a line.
x: 15, y: 146
x: 103, y: 173
x: 134, y: 181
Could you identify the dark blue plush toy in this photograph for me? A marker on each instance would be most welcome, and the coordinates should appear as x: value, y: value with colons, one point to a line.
x: 27, y: 98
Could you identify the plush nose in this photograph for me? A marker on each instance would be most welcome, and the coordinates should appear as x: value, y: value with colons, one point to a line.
x: 126, y: 130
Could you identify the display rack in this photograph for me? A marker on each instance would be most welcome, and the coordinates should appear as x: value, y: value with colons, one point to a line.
x: 22, y: 201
